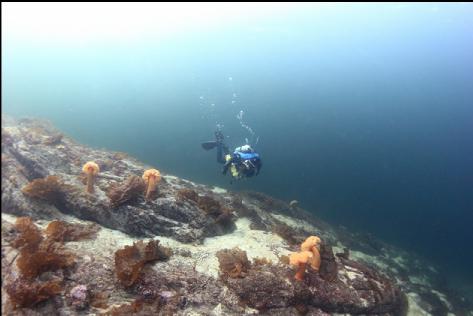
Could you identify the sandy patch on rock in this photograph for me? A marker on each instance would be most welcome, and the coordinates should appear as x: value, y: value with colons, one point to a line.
x: 218, y: 190
x: 256, y: 244
x: 295, y: 223
x: 414, y: 308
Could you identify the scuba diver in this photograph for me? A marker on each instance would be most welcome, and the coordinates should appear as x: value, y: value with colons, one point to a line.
x: 244, y: 162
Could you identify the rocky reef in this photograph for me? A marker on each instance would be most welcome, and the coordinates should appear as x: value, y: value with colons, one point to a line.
x: 190, y: 249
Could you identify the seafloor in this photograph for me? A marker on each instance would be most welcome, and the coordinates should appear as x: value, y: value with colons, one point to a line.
x: 69, y: 252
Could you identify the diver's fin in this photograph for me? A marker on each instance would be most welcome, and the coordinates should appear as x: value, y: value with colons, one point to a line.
x: 209, y: 145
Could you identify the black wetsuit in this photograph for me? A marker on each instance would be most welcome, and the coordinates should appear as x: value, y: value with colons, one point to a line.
x: 222, y: 149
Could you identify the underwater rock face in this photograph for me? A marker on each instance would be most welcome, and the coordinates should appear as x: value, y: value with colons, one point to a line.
x: 28, y: 162
x: 205, y: 275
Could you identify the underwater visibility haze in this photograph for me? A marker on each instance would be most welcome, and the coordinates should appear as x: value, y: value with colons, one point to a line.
x: 361, y: 112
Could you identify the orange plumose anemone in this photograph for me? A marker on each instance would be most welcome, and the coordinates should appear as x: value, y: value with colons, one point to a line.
x: 300, y: 260
x: 91, y: 169
x: 315, y: 260
x: 151, y: 177
x: 312, y: 244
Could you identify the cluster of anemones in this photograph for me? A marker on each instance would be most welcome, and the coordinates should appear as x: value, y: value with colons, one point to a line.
x: 150, y: 176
